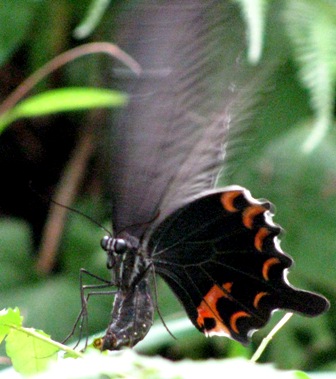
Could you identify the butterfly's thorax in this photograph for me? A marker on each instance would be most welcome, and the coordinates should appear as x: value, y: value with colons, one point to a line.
x: 128, y: 264
x: 128, y: 269
x: 132, y: 313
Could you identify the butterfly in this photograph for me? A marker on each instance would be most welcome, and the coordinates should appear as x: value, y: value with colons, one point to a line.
x: 216, y: 247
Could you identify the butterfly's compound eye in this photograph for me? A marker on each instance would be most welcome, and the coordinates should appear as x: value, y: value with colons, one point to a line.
x: 106, y: 243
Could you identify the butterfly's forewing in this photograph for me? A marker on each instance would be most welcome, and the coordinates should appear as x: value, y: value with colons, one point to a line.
x: 219, y: 253
x: 221, y: 256
x: 168, y: 145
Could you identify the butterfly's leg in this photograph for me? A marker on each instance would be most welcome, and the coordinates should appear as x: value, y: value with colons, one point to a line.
x: 82, y: 318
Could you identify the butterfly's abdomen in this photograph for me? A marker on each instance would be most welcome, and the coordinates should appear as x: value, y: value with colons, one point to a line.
x: 132, y: 317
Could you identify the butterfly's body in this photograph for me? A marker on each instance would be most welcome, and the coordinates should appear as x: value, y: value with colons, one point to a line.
x: 217, y: 249
x: 132, y: 314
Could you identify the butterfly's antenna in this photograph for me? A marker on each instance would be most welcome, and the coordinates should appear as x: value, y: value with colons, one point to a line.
x: 81, y: 214
x: 157, y: 305
x: 50, y: 200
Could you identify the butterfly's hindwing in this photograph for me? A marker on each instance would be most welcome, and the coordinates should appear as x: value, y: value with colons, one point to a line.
x: 221, y: 257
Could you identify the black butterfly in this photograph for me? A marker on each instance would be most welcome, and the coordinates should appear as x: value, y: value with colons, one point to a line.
x: 217, y: 248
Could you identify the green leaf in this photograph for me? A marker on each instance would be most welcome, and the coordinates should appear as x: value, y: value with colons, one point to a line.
x: 63, y: 100
x: 31, y: 351
x: 311, y: 25
x: 69, y: 99
x: 28, y: 353
x: 8, y: 318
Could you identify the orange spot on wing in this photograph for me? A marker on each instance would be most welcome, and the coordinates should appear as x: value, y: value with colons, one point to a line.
x: 258, y: 297
x: 259, y: 238
x: 227, y: 199
x: 227, y: 288
x: 235, y: 317
x: 267, y: 265
x: 208, y: 309
x: 250, y: 213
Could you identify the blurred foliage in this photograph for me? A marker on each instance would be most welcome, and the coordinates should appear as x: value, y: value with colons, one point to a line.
x: 300, y: 181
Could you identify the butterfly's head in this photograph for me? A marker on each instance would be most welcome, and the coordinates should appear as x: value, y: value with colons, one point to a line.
x: 114, y: 247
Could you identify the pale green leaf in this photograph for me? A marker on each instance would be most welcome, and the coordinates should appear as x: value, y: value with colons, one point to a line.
x: 28, y: 353
x: 8, y: 318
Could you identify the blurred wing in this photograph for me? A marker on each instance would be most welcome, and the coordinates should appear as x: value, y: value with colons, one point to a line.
x: 168, y: 145
x: 221, y: 257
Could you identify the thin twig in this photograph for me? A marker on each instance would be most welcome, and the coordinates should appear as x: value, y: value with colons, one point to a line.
x: 65, y: 193
x: 61, y: 60
x: 269, y: 337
